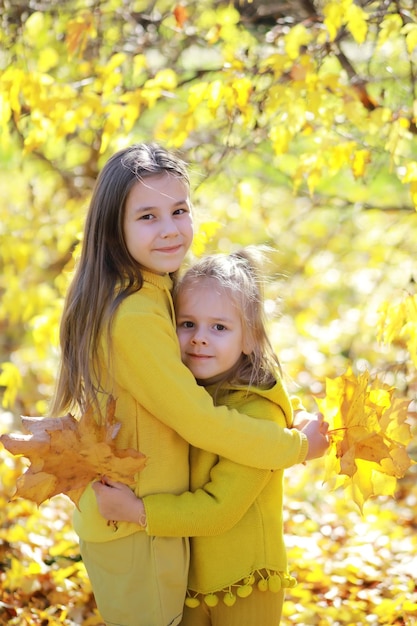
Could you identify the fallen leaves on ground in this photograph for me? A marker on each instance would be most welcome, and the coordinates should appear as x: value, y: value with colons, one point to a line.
x: 352, y: 569
x: 67, y: 454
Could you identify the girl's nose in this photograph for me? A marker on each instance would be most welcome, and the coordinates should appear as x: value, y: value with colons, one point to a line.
x: 169, y: 229
x: 199, y: 339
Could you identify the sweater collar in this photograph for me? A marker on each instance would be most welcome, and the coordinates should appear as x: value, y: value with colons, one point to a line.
x: 163, y: 281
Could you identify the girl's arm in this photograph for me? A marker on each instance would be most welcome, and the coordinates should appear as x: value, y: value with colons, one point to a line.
x: 211, y: 510
x: 148, y: 364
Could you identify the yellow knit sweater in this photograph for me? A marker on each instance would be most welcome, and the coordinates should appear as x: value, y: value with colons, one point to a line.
x: 161, y: 408
x: 235, y: 512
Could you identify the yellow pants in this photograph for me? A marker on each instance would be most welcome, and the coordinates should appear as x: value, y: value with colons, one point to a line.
x: 138, y: 580
x: 261, y: 608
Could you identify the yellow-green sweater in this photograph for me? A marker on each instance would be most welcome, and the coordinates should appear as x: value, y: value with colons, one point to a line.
x: 161, y: 408
x: 234, y: 512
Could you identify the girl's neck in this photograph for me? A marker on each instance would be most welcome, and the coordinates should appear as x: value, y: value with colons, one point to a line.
x: 224, y: 378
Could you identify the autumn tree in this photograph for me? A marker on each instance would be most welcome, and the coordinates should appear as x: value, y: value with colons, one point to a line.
x: 299, y: 122
x: 298, y: 119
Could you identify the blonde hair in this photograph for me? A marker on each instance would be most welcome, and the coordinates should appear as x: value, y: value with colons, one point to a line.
x: 237, y: 275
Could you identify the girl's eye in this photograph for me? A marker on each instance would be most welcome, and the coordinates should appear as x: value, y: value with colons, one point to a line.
x: 187, y: 325
x: 181, y: 211
x: 146, y: 217
x: 219, y: 327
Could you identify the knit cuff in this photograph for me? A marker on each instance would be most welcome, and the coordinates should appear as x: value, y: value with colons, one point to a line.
x: 304, y: 448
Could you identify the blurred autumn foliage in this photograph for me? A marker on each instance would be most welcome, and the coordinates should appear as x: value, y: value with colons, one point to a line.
x: 298, y: 119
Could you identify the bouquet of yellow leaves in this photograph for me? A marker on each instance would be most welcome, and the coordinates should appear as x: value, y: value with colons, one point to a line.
x: 368, y: 436
x: 66, y: 454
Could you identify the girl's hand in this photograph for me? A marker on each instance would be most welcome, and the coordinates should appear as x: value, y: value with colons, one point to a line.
x: 117, y: 502
x: 302, y: 418
x: 315, y: 430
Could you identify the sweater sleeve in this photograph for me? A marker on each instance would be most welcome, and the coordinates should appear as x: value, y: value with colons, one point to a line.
x: 232, y: 488
x: 147, y: 364
x: 211, y: 510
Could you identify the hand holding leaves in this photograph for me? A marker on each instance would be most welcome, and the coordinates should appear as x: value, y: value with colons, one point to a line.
x: 67, y: 454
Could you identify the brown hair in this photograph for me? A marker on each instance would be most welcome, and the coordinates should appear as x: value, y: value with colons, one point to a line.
x: 106, y: 272
x: 238, y: 275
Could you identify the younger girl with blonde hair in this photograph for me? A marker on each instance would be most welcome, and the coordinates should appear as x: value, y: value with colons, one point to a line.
x: 233, y: 513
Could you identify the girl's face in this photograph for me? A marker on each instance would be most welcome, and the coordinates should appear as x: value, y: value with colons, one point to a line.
x: 209, y: 330
x: 157, y: 226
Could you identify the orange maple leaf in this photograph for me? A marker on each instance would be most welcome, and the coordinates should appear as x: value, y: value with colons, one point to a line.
x: 368, y: 435
x: 180, y: 14
x: 67, y: 454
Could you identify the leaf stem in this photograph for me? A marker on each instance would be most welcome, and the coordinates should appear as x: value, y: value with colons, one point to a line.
x: 334, y: 430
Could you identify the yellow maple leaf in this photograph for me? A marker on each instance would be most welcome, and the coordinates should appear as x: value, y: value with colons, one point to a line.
x: 79, y: 30
x: 368, y: 435
x: 67, y: 454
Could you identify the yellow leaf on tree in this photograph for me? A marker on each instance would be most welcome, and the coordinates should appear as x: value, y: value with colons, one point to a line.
x: 361, y: 158
x: 34, y: 26
x: 333, y: 12
x: 389, y: 28
x: 242, y: 89
x: 78, y: 31
x: 356, y: 22
x: 164, y: 79
x: 298, y: 37
x: 11, y: 379
x: 398, y: 322
x: 281, y: 138
x: 206, y: 231
x: 340, y: 155
x: 214, y: 96
x: 67, y: 454
x: 341, y: 12
x: 411, y: 36
x: 48, y: 58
